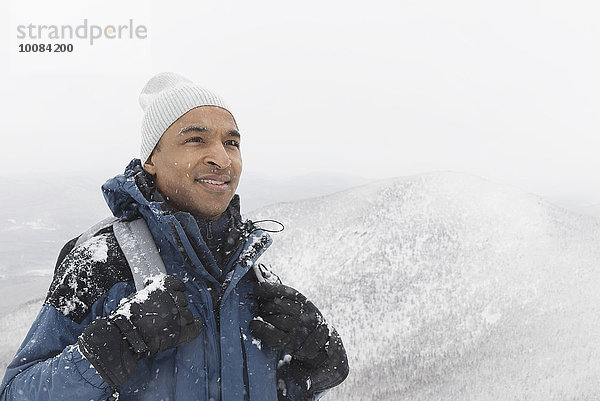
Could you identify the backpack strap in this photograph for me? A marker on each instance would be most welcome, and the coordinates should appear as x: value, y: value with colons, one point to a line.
x: 140, y: 250
x: 93, y: 230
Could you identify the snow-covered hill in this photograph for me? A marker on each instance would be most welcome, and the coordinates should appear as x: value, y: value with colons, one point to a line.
x: 447, y: 287
x: 443, y: 287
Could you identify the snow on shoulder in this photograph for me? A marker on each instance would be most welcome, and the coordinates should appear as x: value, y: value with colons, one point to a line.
x: 88, y: 253
x: 87, y: 272
x: 97, y: 248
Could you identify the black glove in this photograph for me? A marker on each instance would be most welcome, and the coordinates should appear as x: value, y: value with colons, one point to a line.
x: 321, y: 373
x: 290, y: 322
x: 149, y: 321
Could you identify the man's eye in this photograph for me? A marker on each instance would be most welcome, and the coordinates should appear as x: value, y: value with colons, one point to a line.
x: 233, y: 143
x: 194, y: 139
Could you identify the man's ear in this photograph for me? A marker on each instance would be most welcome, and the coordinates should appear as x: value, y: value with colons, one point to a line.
x: 149, y: 165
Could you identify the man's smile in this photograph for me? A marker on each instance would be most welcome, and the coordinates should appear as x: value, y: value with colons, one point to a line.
x: 214, y: 182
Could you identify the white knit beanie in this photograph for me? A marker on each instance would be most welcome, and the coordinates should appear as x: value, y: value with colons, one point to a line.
x: 166, y: 97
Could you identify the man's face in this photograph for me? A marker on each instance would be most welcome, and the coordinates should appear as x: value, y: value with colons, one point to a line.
x: 197, y: 162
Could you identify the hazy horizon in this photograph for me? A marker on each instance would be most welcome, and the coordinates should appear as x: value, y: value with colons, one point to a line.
x: 507, y: 92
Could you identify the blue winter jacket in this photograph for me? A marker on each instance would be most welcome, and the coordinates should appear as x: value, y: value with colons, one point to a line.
x: 224, y: 363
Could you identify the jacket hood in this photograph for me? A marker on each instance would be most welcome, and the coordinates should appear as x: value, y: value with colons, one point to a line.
x: 124, y: 198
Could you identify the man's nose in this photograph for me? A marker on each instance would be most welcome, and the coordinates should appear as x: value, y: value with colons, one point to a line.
x: 218, y: 157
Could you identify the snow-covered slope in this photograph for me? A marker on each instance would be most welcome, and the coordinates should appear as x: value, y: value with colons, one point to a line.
x: 443, y: 287
x: 446, y: 287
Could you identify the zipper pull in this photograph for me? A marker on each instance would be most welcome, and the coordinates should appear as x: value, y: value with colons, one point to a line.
x: 209, y: 230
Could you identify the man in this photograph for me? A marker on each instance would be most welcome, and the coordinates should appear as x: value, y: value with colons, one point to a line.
x: 217, y: 325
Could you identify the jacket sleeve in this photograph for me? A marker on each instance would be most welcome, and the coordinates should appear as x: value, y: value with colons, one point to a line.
x: 301, y: 380
x: 89, y: 282
x: 48, y: 367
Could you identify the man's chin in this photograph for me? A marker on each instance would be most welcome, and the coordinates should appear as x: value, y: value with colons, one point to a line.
x: 200, y: 210
x: 207, y: 216
x: 208, y: 213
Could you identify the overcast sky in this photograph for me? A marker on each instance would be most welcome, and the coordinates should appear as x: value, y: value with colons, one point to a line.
x: 505, y: 90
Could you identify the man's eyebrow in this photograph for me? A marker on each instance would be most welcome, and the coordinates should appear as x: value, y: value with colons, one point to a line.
x: 189, y: 128
x: 199, y: 128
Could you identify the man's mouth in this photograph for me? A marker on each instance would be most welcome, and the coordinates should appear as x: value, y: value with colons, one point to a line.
x: 218, y: 183
x: 212, y: 182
